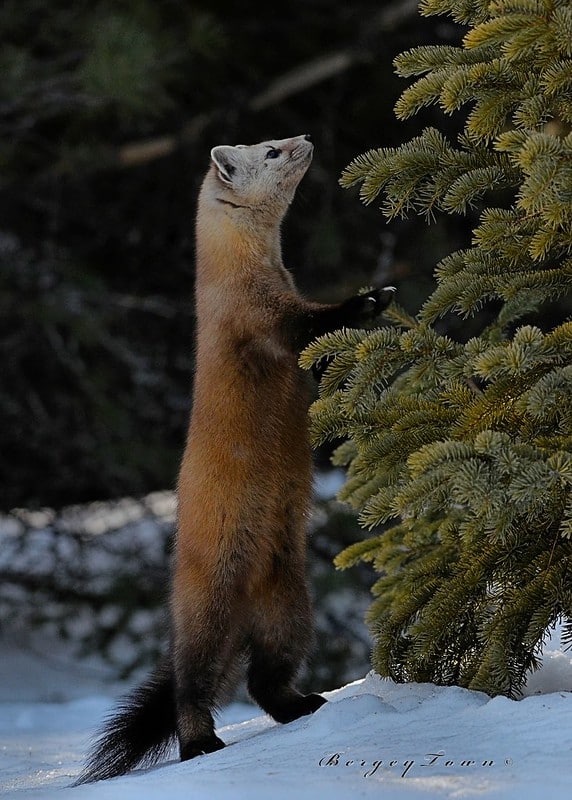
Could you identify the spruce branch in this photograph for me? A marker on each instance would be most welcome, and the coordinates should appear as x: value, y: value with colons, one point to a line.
x: 462, y: 451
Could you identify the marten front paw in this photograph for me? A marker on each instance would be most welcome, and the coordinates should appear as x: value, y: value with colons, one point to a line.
x: 367, y: 306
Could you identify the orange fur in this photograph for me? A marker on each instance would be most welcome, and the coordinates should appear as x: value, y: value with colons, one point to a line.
x: 245, y: 479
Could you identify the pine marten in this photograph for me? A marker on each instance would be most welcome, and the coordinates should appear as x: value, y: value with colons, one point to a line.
x: 239, y: 589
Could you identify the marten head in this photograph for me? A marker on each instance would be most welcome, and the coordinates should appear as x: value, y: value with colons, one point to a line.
x: 260, y: 176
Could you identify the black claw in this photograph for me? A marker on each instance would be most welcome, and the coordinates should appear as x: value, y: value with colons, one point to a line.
x: 364, y: 307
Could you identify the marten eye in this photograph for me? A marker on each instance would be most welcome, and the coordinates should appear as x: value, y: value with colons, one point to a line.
x: 273, y: 153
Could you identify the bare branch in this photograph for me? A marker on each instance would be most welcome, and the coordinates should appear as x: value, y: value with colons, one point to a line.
x: 291, y: 83
x: 302, y: 78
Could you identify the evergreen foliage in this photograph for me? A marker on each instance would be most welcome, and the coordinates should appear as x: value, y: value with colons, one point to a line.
x: 462, y: 449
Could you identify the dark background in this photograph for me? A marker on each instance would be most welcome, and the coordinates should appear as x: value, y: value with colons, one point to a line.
x: 108, y: 111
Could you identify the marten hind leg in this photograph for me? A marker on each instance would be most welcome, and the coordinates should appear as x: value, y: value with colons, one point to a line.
x: 279, y: 642
x: 206, y: 641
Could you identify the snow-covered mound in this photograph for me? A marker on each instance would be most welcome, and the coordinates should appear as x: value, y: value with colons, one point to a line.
x: 373, y: 739
x: 96, y: 575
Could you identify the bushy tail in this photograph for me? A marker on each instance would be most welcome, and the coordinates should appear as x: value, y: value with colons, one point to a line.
x: 140, y: 732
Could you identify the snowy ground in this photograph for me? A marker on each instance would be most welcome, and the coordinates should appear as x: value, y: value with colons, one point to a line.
x: 374, y: 739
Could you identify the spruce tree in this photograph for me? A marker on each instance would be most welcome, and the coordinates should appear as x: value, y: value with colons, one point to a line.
x: 458, y: 452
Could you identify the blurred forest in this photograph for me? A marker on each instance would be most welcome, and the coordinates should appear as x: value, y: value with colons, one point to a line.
x: 108, y: 111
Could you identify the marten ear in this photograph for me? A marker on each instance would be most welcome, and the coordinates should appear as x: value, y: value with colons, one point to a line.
x: 224, y: 157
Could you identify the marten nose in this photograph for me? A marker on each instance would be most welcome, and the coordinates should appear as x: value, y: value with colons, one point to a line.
x: 307, y: 137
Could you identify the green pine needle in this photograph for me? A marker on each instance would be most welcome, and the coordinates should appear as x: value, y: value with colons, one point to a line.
x: 459, y: 454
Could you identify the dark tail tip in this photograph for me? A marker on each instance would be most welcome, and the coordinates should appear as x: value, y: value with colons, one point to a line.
x: 140, y: 732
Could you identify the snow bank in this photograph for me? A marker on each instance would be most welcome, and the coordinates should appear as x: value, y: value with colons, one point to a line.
x: 97, y: 575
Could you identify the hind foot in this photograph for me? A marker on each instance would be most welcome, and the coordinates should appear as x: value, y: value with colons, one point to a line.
x: 297, y: 707
x: 198, y: 747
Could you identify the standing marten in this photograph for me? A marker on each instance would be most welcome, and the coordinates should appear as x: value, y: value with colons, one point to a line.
x: 239, y: 587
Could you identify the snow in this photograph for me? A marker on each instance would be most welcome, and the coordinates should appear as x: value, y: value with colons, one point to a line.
x: 374, y: 738
x: 328, y: 484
